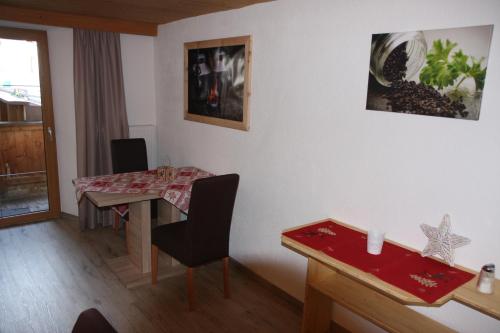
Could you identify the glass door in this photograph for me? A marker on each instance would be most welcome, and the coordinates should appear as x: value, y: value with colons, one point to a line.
x: 28, y: 164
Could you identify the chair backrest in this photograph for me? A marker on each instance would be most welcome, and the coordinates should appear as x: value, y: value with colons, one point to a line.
x: 91, y: 320
x: 129, y: 155
x: 209, y: 218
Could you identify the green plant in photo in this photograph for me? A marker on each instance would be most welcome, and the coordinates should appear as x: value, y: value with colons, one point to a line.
x: 437, y: 71
x: 442, y: 70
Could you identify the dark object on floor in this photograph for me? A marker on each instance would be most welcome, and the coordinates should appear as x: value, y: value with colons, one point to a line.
x: 204, y: 236
x: 92, y: 321
x: 130, y: 155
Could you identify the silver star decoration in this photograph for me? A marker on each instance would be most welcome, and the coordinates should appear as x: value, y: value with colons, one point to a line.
x: 441, y: 241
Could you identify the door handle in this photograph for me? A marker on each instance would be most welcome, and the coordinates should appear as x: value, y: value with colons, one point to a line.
x: 51, y: 133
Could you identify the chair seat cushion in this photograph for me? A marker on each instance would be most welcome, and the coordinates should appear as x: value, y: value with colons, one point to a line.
x: 171, y: 238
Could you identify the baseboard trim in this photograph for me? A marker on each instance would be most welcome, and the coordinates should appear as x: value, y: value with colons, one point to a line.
x: 269, y: 285
x: 334, y: 327
x: 68, y: 216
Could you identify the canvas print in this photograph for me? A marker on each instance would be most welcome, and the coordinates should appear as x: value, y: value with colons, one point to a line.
x: 433, y: 72
x: 218, y: 81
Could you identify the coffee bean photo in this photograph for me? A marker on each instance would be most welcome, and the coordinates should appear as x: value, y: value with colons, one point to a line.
x: 437, y: 73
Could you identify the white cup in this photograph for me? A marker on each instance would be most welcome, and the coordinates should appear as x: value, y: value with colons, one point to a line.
x: 375, y: 241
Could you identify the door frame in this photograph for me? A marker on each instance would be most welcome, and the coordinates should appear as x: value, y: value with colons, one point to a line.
x: 49, y: 136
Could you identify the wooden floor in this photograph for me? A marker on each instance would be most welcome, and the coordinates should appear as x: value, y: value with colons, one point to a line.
x: 50, y: 272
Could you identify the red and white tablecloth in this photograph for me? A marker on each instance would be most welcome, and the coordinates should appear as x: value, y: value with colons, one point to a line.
x: 177, y: 191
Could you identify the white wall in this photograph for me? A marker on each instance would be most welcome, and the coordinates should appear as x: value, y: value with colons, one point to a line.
x: 61, y: 71
x: 138, y: 75
x: 313, y: 151
x: 140, y: 92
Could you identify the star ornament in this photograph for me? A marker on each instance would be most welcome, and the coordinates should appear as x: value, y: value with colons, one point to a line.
x: 442, y: 241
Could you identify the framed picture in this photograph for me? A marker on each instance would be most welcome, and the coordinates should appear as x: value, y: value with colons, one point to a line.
x: 217, y: 81
x: 439, y: 73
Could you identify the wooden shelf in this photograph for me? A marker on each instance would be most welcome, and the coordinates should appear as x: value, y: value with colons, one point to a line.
x: 379, y: 308
x: 380, y: 302
x: 487, y: 304
x: 356, y: 274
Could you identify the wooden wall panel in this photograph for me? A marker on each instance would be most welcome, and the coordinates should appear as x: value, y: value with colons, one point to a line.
x: 3, y: 111
x: 22, y: 147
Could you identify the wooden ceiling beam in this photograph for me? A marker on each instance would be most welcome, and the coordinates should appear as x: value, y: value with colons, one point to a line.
x: 117, y: 9
x: 59, y: 19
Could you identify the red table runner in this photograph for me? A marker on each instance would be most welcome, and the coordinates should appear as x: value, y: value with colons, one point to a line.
x: 408, y: 270
x: 177, y: 191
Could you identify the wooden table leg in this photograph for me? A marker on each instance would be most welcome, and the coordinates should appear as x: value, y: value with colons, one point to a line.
x: 135, y: 268
x: 317, y: 306
x: 139, y: 235
x: 326, y: 285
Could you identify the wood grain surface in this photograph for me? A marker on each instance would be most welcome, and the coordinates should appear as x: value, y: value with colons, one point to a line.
x: 48, y: 144
x: 466, y: 294
x: 50, y: 272
x: 22, y: 148
x: 125, y: 16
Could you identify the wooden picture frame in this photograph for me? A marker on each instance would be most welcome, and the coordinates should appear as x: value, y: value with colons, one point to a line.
x: 217, y: 81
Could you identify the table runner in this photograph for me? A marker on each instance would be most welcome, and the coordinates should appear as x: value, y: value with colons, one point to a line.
x: 176, y: 191
x: 425, y: 278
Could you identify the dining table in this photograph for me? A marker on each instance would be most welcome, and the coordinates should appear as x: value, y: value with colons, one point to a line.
x: 137, y: 189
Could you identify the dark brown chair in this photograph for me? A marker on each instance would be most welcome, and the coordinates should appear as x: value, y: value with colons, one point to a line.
x: 92, y: 321
x: 130, y: 155
x: 204, y: 236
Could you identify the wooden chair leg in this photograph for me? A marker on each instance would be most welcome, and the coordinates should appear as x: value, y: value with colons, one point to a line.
x: 126, y: 236
x: 227, y: 291
x: 116, y: 223
x: 154, y: 264
x: 190, y: 288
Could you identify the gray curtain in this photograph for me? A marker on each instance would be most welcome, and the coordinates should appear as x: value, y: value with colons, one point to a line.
x: 99, y: 109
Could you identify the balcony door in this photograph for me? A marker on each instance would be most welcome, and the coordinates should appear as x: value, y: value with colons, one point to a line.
x: 29, y: 185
